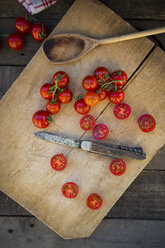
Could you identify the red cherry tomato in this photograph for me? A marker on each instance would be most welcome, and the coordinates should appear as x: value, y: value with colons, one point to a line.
x: 102, y: 74
x: 89, y: 83
x: 22, y: 25
x: 61, y: 78
x: 102, y: 93
x: 41, y: 119
x: 91, y: 98
x: 87, y: 122
x: 94, y: 201
x: 100, y: 131
x: 44, y: 91
x: 120, y: 77
x: 16, y: 41
x: 39, y: 32
x: 122, y: 111
x: 146, y: 123
x: 116, y: 97
x: 117, y: 167
x: 53, y: 108
x: 65, y: 96
x: 58, y: 162
x: 70, y: 190
x: 81, y: 107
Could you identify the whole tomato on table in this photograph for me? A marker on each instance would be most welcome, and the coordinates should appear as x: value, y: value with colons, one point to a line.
x: 41, y: 119
x: 61, y: 78
x: 65, y: 96
x: 116, y: 96
x: 89, y: 83
x: 53, y: 107
x: 16, y: 41
x: 81, y: 107
x: 91, y: 98
x: 102, y: 74
x: 22, y: 25
x: 39, y: 32
x: 120, y: 77
x: 44, y: 91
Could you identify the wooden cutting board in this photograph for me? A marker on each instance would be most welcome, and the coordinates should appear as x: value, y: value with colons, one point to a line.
x: 25, y: 172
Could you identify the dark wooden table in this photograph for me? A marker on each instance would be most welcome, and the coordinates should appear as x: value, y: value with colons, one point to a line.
x: 138, y: 218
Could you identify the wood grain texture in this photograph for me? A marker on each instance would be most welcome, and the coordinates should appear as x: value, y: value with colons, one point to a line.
x: 146, y: 195
x: 22, y: 178
x: 130, y: 9
x: 111, y: 233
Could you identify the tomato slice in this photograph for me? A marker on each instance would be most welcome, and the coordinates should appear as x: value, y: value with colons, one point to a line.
x: 58, y: 162
x: 146, y: 123
x: 117, y: 167
x: 122, y: 111
x: 94, y: 201
x: 87, y: 122
x: 100, y: 131
x: 70, y: 190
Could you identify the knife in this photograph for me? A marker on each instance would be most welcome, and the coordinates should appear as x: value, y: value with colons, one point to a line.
x: 98, y: 148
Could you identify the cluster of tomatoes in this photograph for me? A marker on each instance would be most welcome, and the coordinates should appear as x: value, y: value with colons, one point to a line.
x: 23, y: 26
x: 56, y: 93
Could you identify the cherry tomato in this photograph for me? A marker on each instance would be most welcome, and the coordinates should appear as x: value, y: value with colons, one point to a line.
x: 122, y: 111
x: 70, y: 190
x: 116, y: 97
x: 89, y: 83
x: 87, y: 122
x: 102, y: 93
x: 53, y: 108
x: 146, y: 123
x: 44, y: 91
x: 39, y: 32
x: 102, y: 74
x: 119, y: 76
x: 117, y: 167
x: 81, y: 107
x: 41, y: 119
x: 65, y: 96
x: 100, y: 131
x: 16, y: 41
x: 94, y: 201
x: 22, y: 25
x: 58, y: 162
x: 61, y: 78
x: 91, y: 98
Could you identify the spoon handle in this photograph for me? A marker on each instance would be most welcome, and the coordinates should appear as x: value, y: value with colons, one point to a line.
x: 132, y: 35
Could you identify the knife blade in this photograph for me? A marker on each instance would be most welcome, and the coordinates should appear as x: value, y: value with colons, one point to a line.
x: 103, y: 149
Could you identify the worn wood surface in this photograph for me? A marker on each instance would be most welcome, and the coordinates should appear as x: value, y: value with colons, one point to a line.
x: 31, y: 233
x: 144, y: 208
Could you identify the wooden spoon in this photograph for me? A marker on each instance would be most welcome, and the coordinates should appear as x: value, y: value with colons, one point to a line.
x: 64, y: 48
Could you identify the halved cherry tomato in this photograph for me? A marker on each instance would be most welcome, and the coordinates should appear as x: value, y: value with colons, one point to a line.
x: 91, y: 98
x: 89, y: 83
x: 39, y: 32
x: 70, y: 190
x: 87, y: 122
x: 61, y: 78
x: 22, y: 25
x: 117, y: 167
x: 44, y: 91
x: 116, y: 97
x: 41, y: 119
x: 58, y: 162
x: 16, y: 41
x: 53, y: 108
x: 102, y: 74
x: 119, y: 76
x: 102, y: 93
x: 100, y: 131
x: 65, y: 96
x: 122, y: 111
x: 81, y: 107
x: 146, y: 123
x: 94, y: 201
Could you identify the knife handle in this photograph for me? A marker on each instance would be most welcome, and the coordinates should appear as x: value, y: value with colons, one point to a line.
x: 113, y: 150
